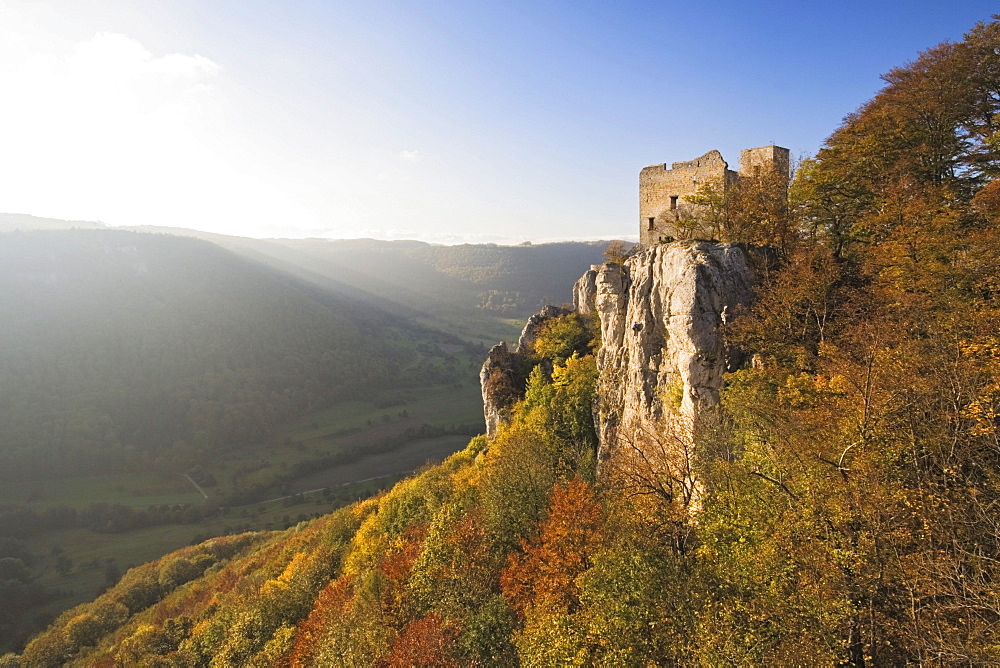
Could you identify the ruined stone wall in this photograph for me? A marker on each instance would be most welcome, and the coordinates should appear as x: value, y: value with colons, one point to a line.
x: 662, y: 192
x: 664, y: 215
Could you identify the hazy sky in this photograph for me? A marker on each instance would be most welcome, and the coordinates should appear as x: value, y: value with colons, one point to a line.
x: 440, y: 120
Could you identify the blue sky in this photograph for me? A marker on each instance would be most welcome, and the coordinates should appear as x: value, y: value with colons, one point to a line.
x: 445, y: 121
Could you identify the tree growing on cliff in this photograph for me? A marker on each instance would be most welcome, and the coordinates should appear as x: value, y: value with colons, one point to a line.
x: 561, y: 337
x: 618, y: 251
x: 753, y: 210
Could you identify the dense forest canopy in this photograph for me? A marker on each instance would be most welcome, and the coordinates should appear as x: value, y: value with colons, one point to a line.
x: 853, y: 475
x: 927, y: 144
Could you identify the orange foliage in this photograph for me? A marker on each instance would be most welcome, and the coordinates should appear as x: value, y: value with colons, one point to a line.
x: 544, y: 575
x: 194, y: 600
x: 332, y: 600
x: 424, y: 642
x: 987, y: 201
x: 469, y: 538
x: 397, y: 564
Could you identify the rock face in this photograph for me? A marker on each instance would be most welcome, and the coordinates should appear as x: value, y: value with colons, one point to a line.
x: 661, y: 361
x: 498, y: 383
x: 505, y: 372
x: 585, y: 291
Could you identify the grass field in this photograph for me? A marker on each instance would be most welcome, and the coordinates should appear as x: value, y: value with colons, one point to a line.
x: 342, y: 426
x: 95, y: 554
x: 338, y: 428
x: 478, y: 328
x: 137, y: 489
x: 408, y: 459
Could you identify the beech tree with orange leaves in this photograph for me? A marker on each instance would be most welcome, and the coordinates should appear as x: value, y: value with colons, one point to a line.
x: 540, y: 583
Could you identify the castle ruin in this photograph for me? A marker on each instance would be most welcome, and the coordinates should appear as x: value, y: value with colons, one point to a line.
x: 662, y: 205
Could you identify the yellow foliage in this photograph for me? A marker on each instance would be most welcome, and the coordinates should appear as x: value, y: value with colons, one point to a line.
x: 283, y: 580
x: 984, y: 410
x: 363, y: 508
x: 366, y: 547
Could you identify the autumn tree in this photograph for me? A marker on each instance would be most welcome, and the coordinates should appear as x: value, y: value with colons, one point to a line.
x: 540, y: 584
x: 618, y: 251
x: 562, y: 336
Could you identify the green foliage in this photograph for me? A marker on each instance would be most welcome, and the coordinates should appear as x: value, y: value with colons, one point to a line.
x: 516, y: 483
x: 672, y: 394
x: 575, y: 383
x: 561, y: 337
x: 709, y: 219
x: 178, y: 571
x: 486, y: 637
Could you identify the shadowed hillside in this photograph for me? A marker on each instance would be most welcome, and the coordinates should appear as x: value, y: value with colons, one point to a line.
x: 480, y: 292
x: 156, y: 389
x: 124, y: 349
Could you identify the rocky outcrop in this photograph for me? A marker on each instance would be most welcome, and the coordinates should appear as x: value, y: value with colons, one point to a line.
x: 526, y: 342
x: 585, y: 291
x: 498, y: 383
x: 662, y: 359
x: 505, y: 373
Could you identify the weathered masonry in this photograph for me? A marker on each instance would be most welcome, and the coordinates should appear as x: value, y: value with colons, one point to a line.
x: 662, y: 190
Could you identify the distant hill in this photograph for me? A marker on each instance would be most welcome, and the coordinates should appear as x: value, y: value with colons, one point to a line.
x: 126, y: 352
x: 124, y: 348
x: 10, y: 222
x: 506, y: 281
x: 481, y: 292
x: 121, y: 348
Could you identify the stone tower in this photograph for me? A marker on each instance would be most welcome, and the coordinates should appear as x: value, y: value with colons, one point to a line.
x: 663, y: 211
x: 759, y: 161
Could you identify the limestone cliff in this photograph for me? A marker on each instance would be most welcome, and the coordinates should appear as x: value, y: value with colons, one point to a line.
x: 499, y: 380
x: 662, y: 359
x: 585, y: 290
x: 505, y: 372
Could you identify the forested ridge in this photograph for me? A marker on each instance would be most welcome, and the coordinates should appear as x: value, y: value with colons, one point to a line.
x: 476, y: 291
x: 125, y: 350
x: 852, y: 476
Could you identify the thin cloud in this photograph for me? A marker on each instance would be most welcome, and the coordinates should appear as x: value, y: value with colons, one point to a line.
x: 115, y: 60
x: 409, y: 156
